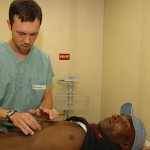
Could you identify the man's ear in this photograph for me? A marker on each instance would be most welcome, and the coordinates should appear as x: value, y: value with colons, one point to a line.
x: 126, y: 145
x: 9, y: 25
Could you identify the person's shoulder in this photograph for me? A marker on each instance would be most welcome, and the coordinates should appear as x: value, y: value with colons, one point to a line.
x: 40, y: 55
x: 40, y: 52
x: 2, y: 44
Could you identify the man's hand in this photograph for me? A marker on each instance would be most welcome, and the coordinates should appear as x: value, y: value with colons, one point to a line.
x: 146, y: 148
x: 46, y: 113
x: 25, y: 122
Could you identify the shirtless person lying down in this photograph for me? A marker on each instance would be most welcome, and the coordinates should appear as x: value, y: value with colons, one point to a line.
x: 119, y: 132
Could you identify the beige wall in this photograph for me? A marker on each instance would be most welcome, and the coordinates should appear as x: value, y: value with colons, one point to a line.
x: 126, y: 57
x: 75, y: 27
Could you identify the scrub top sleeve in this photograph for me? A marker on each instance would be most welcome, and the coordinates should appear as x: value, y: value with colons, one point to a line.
x: 50, y: 73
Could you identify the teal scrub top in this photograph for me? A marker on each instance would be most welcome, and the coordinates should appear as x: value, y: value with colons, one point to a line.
x: 22, y: 84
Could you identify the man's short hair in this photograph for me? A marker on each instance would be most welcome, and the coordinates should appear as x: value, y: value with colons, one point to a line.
x: 26, y: 10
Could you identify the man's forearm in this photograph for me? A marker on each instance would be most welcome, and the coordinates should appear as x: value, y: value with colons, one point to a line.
x: 47, y: 101
x: 3, y: 113
x: 46, y: 104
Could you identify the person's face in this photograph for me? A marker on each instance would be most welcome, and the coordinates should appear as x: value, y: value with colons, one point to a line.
x: 118, y: 128
x: 24, y: 34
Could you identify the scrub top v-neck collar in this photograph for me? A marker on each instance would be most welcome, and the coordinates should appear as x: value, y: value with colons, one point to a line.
x: 14, y: 56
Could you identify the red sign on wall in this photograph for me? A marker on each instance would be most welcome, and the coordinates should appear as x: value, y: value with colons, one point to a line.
x: 64, y: 56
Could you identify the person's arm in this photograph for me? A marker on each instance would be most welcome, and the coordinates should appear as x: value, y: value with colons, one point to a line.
x: 24, y: 121
x: 46, y: 109
x: 3, y: 113
x: 47, y: 100
x: 146, y: 148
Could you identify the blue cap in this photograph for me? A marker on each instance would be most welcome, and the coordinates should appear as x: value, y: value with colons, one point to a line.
x: 140, y: 132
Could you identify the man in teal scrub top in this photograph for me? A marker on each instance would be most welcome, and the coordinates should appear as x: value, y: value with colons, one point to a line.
x: 25, y: 71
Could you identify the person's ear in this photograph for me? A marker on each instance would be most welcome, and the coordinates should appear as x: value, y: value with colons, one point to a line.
x: 9, y: 25
x: 125, y: 145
